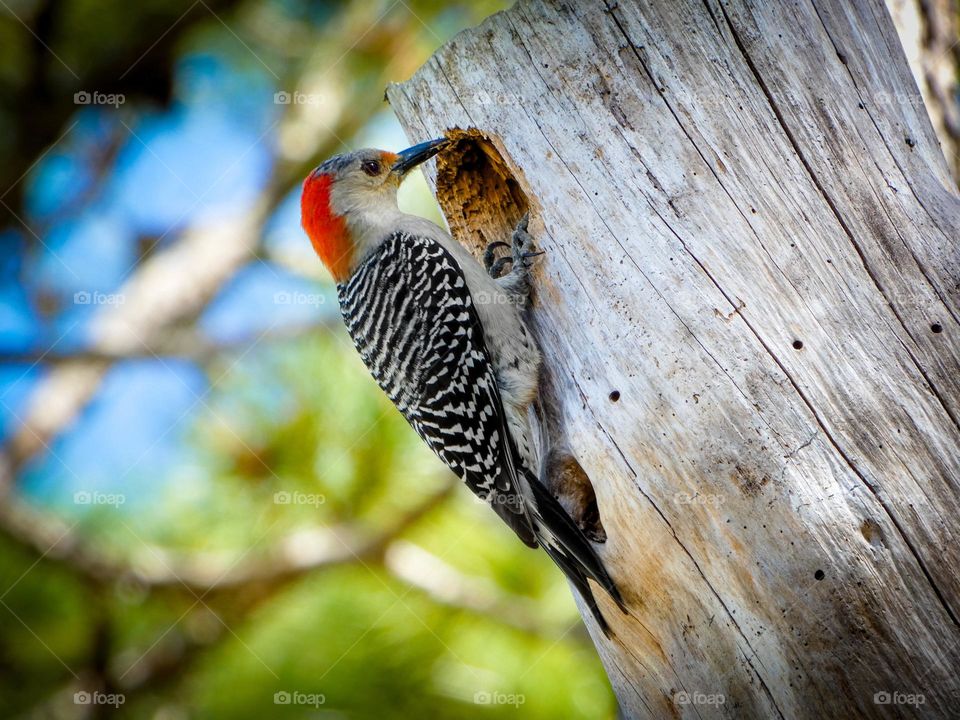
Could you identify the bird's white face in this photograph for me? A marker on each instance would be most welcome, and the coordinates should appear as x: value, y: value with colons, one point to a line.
x: 363, y: 189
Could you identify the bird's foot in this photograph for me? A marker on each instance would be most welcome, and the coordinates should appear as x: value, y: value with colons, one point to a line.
x: 522, y: 249
x: 492, y: 263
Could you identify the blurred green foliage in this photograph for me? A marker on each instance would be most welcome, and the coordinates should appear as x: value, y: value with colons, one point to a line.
x: 372, y: 644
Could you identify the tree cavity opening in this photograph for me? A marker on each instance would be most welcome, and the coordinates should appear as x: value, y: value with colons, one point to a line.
x: 478, y: 189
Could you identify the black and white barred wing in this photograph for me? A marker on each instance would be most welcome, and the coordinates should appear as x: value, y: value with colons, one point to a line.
x: 412, y: 318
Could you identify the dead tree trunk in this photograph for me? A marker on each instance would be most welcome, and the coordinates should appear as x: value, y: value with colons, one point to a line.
x: 928, y: 31
x: 749, y: 308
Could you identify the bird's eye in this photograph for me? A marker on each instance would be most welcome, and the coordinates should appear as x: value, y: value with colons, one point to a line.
x: 371, y: 167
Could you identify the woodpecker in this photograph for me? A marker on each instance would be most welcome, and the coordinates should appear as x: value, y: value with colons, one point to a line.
x: 445, y: 339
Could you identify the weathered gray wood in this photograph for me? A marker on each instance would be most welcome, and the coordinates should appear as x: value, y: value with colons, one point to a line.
x: 713, y: 182
x: 928, y: 31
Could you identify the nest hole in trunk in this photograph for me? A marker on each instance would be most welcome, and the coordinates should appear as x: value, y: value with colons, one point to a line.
x: 481, y: 193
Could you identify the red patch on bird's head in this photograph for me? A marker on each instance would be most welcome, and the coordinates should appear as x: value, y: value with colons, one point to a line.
x: 327, y: 231
x: 388, y: 158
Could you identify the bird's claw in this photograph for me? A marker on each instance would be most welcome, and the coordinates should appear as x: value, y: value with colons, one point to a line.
x: 517, y: 281
x: 490, y: 261
x: 523, y: 244
x: 496, y: 270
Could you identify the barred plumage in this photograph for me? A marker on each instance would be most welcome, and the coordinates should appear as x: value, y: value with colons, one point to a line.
x: 411, y: 316
x: 464, y: 375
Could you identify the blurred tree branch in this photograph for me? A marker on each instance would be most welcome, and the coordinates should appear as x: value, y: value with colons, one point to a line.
x: 184, y: 343
x: 44, y: 100
x: 246, y: 585
x: 172, y: 287
x: 154, y: 569
x: 447, y: 586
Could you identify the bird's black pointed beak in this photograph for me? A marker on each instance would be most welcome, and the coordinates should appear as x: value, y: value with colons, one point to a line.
x: 413, y: 156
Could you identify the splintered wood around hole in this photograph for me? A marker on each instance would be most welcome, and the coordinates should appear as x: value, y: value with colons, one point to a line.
x: 480, y: 194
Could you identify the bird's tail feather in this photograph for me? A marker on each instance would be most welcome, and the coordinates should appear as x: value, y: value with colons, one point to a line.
x: 571, y: 551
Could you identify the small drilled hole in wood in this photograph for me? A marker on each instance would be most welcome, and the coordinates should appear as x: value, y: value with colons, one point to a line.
x: 819, y: 575
x: 936, y: 327
x: 614, y: 395
x: 872, y: 532
x: 570, y: 484
x: 798, y: 344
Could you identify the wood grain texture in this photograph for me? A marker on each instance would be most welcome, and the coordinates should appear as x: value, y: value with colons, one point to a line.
x: 928, y: 31
x: 751, y: 235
